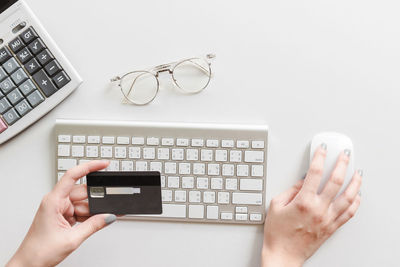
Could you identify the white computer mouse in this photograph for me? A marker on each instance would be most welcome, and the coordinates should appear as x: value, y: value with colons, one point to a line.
x: 336, y: 143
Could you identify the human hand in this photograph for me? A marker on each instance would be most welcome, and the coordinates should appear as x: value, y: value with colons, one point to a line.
x: 52, y: 237
x: 300, y: 220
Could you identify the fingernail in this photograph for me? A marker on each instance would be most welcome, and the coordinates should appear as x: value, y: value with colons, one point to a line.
x: 110, y: 219
x: 347, y: 152
x: 359, y: 193
x: 323, y: 146
x: 360, y: 172
x: 304, y: 176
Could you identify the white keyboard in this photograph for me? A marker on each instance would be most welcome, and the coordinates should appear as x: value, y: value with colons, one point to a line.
x: 209, y: 172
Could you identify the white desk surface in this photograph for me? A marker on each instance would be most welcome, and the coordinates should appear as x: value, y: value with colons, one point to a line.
x: 300, y: 66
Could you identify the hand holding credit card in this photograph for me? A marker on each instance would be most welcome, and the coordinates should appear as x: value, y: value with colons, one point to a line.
x: 124, y: 192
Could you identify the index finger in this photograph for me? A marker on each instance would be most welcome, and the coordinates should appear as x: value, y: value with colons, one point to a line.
x: 314, y: 173
x: 64, y: 187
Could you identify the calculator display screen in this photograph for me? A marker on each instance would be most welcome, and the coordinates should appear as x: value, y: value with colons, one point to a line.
x: 4, y: 4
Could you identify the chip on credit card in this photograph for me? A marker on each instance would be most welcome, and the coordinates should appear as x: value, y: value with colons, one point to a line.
x: 124, y: 192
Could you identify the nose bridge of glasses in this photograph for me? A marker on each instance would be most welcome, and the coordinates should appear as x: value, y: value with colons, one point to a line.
x: 162, y: 68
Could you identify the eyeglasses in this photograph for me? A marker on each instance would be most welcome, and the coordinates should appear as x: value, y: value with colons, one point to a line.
x: 190, y: 75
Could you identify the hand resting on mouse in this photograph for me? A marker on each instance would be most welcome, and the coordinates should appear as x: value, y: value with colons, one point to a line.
x: 300, y: 220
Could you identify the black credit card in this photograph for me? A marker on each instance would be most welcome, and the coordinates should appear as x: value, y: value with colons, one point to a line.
x: 124, y: 192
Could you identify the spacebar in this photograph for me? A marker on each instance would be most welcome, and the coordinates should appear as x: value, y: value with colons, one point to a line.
x: 174, y: 211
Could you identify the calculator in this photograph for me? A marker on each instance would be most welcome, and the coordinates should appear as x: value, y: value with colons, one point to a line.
x: 35, y: 76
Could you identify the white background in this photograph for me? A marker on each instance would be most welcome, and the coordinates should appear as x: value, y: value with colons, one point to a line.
x: 300, y: 66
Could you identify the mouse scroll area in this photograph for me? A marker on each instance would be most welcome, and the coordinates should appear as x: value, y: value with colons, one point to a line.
x: 336, y: 143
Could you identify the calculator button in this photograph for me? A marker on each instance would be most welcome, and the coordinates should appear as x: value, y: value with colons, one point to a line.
x: 11, y: 116
x: 4, y: 105
x: 3, y: 74
x: 61, y: 79
x: 52, y: 68
x: 44, y: 57
x: 11, y: 65
x: 44, y: 83
x: 15, y: 96
x: 7, y: 85
x: 29, y: 35
x: 32, y: 66
x: 3, y: 126
x: 27, y: 87
x: 23, y: 107
x: 37, y: 46
x: 4, y: 54
x: 16, y: 45
x: 35, y: 98
x: 24, y: 55
x: 19, y: 76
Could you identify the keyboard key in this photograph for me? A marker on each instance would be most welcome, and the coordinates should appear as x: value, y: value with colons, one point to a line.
x: 212, y: 143
x: 188, y: 182
x: 255, y: 216
x: 173, y: 182
x: 15, y: 96
x: 194, y: 196
x: 93, y: 139
x: 3, y: 74
x: 37, y: 46
x: 235, y: 156
x: 177, y: 154
x: 110, y: 140
x: 216, y: 183
x: 23, y: 107
x: 44, y: 83
x: 149, y: 153
x: 247, y: 198
x: 32, y: 66
x: 202, y: 183
x: 106, y: 152
x: 228, y: 169
x: 24, y: 55
x: 173, y: 211
x: 213, y: 169
x: 126, y: 165
x: 77, y: 151
x: 221, y: 155
x: 141, y: 166
x: 4, y: 105
x: 5, y: 55
x: 44, y: 57
x: 166, y: 195
x: 66, y: 164
x: 196, y: 211
x: 242, y: 144
x: 7, y: 85
x: 92, y: 151
x: 63, y: 150
x: 156, y: 166
x: 257, y: 144
x: 153, y: 141
x: 206, y: 155
x: 241, y: 209
x: 182, y: 142
x: 251, y: 184
x: 192, y: 154
x: 3, y: 126
x: 163, y: 153
x: 137, y: 140
x: 11, y: 65
x: 199, y: 168
x: 11, y: 116
x: 212, y: 212
x: 180, y: 196
x: 134, y: 152
x: 19, y: 76
x: 167, y: 141
x: 122, y: 140
x: 254, y: 156
x: 242, y: 170
x: 209, y: 197
x: 61, y: 79
x: 184, y: 168
x: 16, y: 44
x: 241, y: 217
x: 226, y: 216
x: 227, y: 143
x: 170, y: 167
x: 79, y: 139
x: 231, y: 184
x: 64, y: 138
x: 27, y: 87
x: 197, y: 142
x: 35, y: 98
x: 223, y: 197
x: 257, y: 170
x: 29, y: 35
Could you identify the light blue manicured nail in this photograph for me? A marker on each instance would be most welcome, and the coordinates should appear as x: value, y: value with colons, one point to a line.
x: 360, y: 172
x: 347, y: 152
x: 110, y: 219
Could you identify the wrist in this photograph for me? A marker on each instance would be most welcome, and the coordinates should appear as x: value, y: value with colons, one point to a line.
x: 272, y: 258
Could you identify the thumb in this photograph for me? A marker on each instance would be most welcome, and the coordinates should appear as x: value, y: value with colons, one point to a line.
x: 95, y: 223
